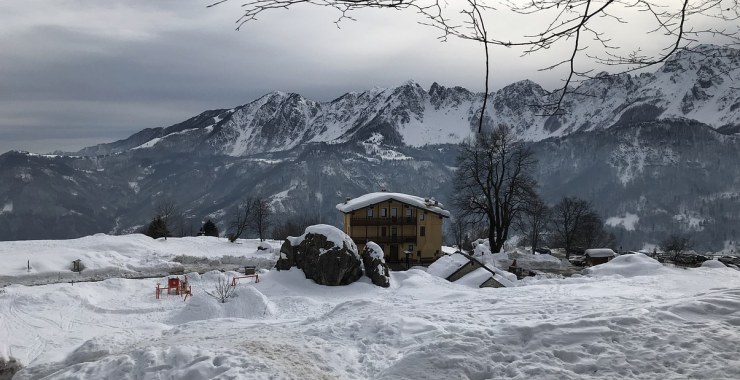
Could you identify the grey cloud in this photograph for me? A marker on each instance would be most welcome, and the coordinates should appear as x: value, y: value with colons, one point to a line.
x: 74, y: 80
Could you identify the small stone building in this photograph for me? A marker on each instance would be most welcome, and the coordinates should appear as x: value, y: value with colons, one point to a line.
x: 596, y: 256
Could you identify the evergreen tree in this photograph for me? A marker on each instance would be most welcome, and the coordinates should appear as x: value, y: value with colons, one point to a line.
x: 157, y: 228
x: 210, y: 229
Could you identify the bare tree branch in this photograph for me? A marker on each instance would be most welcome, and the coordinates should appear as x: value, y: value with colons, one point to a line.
x: 583, y: 25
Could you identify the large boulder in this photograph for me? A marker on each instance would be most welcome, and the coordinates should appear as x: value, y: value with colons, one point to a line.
x: 324, y: 253
x: 375, y: 266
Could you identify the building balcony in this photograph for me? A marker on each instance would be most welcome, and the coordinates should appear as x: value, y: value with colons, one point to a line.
x: 388, y: 221
x: 385, y: 239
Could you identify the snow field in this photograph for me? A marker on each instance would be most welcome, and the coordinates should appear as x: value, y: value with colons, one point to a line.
x: 106, y: 256
x: 616, y: 322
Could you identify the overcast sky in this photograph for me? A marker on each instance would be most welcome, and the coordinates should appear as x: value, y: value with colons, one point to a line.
x: 79, y: 72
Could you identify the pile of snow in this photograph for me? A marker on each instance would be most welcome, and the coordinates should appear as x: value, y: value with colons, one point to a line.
x: 541, y: 261
x: 107, y: 256
x: 627, y: 266
x: 713, y: 264
x: 246, y: 302
x: 266, y: 247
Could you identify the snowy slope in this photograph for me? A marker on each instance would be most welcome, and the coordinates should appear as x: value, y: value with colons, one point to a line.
x: 662, y: 323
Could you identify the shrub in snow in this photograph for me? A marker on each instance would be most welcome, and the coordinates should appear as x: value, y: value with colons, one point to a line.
x: 375, y: 267
x: 324, y: 253
x: 8, y: 368
x: 222, y: 289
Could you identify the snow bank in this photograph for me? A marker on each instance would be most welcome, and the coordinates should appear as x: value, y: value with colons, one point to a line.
x: 713, y: 264
x: 246, y: 302
x: 636, y: 264
x: 106, y: 256
x: 287, y: 327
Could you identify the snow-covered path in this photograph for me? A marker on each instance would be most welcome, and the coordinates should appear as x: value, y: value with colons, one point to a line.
x: 666, y: 324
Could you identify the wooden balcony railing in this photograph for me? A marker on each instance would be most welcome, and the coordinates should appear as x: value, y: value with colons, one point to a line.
x: 385, y: 239
x: 389, y: 221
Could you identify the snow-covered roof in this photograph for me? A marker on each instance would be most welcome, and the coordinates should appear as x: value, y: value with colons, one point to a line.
x: 600, y: 252
x: 373, y: 198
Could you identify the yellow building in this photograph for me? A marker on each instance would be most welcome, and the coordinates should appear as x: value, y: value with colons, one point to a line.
x: 403, y: 225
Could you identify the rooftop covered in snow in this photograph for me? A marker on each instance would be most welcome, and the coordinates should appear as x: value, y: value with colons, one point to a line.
x: 600, y: 252
x: 428, y: 204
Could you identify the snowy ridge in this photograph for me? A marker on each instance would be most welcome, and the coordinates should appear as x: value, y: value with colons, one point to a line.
x: 700, y: 85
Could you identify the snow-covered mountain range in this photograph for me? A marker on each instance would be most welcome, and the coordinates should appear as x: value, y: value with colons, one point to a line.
x: 619, y: 131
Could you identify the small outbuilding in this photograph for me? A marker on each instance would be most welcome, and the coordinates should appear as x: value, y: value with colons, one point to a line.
x: 596, y: 256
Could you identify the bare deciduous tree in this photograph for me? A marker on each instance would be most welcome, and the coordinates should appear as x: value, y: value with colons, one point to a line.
x: 222, y: 289
x: 575, y: 223
x: 293, y: 227
x: 585, y: 32
x: 242, y: 219
x: 164, y: 220
x: 566, y: 220
x: 262, y: 217
x: 493, y: 182
x: 459, y: 230
x: 534, y: 221
x: 676, y: 244
x: 592, y: 234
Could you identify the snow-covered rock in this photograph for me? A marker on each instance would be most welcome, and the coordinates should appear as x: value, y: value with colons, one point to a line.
x: 376, y: 269
x: 324, y: 253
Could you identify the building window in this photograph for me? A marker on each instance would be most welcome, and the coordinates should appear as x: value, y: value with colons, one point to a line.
x: 421, y: 216
x: 422, y: 231
x: 408, y: 212
x: 383, y: 212
x: 394, y: 212
x: 370, y: 213
x: 411, y: 248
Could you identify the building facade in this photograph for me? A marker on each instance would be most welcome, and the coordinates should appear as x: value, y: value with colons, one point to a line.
x: 405, y: 226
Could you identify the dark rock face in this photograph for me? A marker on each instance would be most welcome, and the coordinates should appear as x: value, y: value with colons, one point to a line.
x: 9, y: 368
x: 287, y: 258
x: 375, y: 266
x: 321, y: 259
